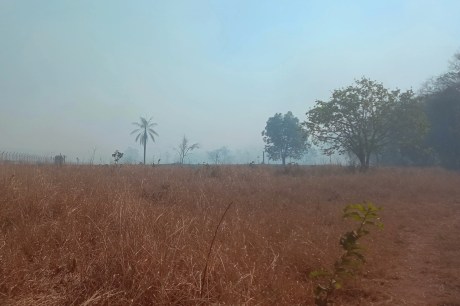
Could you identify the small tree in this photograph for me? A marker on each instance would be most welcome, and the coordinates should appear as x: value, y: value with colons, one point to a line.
x: 349, y: 263
x: 117, y: 155
x: 184, y: 149
x: 284, y: 138
x: 219, y: 156
x: 361, y: 119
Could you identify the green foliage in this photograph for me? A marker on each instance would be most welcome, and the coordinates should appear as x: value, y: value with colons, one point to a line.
x: 449, y: 79
x: 363, y: 119
x: 407, y: 145
x: 442, y: 100
x: 117, y: 155
x: 284, y: 137
x: 349, y: 263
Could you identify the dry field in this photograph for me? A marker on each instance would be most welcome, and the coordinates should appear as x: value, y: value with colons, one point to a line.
x: 95, y: 235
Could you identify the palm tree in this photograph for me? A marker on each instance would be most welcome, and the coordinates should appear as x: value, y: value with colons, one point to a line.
x: 144, y: 130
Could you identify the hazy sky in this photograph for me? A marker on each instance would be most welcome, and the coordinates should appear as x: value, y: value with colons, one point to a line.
x: 74, y: 75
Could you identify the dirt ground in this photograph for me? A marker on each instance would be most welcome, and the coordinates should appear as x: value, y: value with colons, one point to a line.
x: 140, y: 236
x: 423, y: 247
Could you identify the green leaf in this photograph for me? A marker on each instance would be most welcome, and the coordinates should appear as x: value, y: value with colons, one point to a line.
x: 350, y: 261
x: 353, y: 215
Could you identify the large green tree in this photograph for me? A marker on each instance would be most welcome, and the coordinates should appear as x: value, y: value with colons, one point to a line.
x: 363, y: 119
x: 144, y: 132
x: 284, y: 137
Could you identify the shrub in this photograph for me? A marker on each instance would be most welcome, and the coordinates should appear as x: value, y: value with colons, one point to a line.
x: 348, y: 264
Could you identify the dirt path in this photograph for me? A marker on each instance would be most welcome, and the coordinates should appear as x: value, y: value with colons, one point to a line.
x: 428, y: 272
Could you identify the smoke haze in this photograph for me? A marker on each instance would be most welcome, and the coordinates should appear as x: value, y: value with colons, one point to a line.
x: 74, y: 75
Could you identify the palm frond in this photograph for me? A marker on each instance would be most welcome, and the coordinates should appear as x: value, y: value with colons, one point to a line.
x: 144, y: 122
x: 153, y: 132
x: 152, y: 136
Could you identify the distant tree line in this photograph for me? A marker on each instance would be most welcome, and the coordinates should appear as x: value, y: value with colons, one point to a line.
x: 438, y: 110
x: 441, y: 101
x: 26, y: 158
x: 377, y: 125
x: 18, y: 157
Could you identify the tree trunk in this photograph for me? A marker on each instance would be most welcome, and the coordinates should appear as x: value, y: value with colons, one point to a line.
x: 362, y: 162
x: 145, y: 145
x: 283, y: 158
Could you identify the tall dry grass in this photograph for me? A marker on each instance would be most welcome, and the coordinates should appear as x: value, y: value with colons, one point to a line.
x: 94, y: 235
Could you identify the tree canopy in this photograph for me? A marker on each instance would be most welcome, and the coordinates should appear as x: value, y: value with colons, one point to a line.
x: 144, y: 131
x: 363, y: 119
x: 284, y: 137
x: 442, y: 105
x: 219, y: 156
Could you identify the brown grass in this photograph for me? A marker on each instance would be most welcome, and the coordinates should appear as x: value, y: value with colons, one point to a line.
x: 94, y: 235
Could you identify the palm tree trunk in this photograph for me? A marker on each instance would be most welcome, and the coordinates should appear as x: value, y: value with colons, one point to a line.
x: 145, y: 145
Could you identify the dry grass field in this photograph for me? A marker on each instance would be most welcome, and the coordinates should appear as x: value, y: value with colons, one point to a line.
x: 132, y: 235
